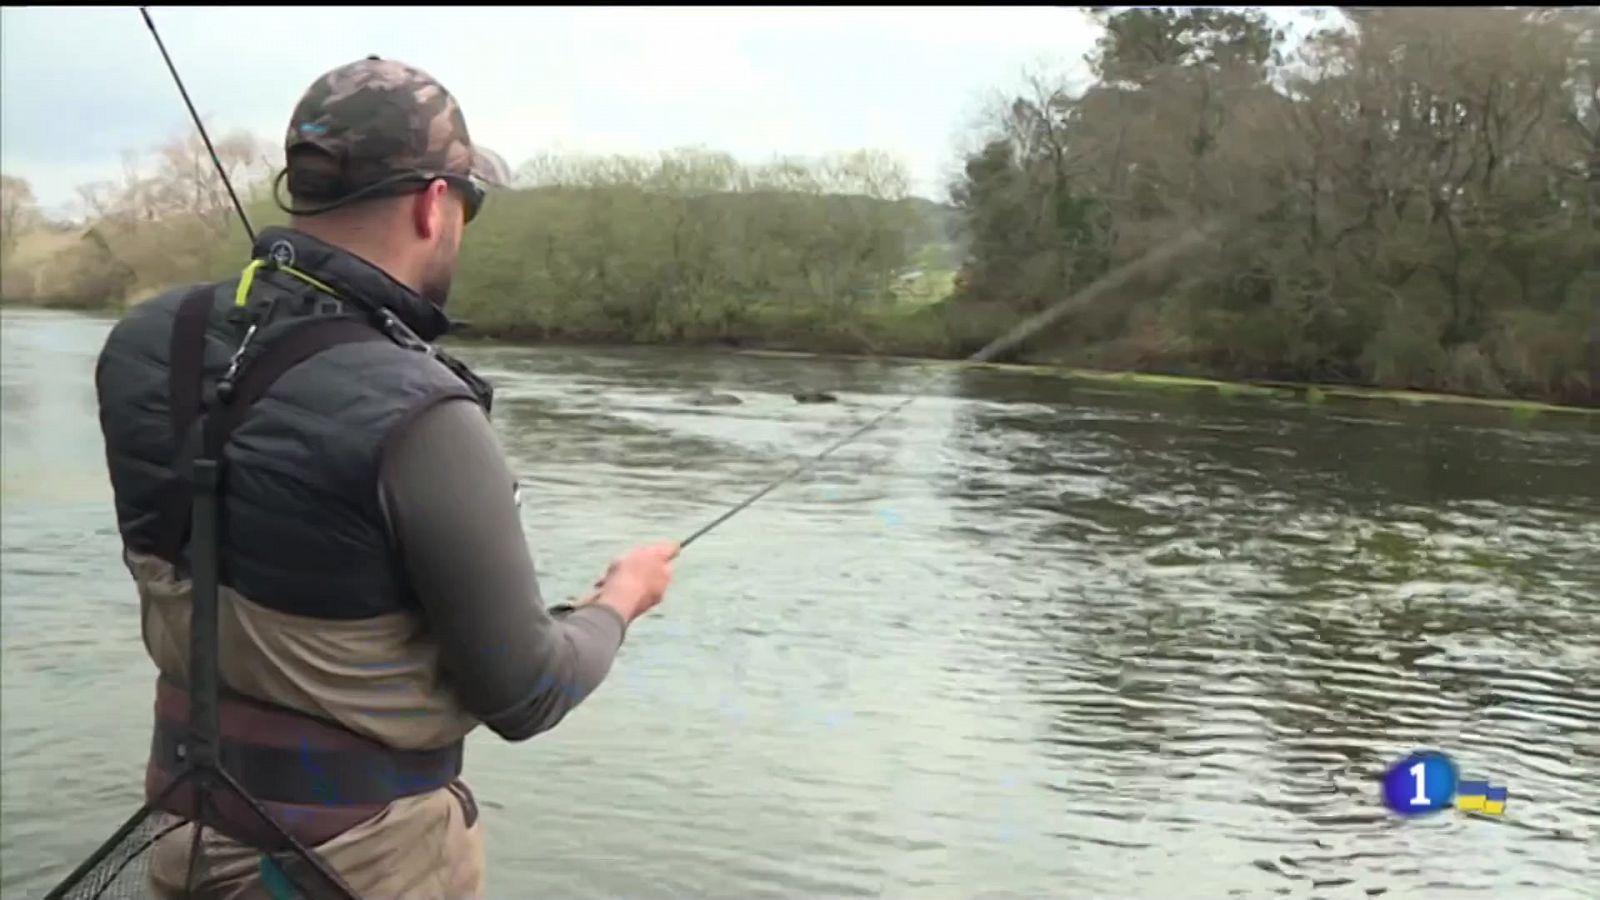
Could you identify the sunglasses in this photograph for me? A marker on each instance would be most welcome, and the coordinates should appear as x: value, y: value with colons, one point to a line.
x: 472, y: 194
x: 470, y: 191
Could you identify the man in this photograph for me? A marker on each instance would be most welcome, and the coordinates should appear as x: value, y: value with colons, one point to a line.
x: 377, y: 600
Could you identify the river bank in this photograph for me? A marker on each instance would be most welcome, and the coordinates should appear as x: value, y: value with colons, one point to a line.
x: 838, y: 348
x: 1310, y: 393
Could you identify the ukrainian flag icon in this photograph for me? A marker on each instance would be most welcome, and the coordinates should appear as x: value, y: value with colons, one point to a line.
x: 1494, y: 801
x: 1479, y: 797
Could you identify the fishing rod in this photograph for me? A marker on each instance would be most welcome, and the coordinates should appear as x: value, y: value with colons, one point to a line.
x: 1006, y: 342
x: 200, y: 126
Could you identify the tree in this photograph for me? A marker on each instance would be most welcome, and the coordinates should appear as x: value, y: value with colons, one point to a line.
x: 185, y: 182
x: 1141, y: 44
x: 19, y: 212
x: 1414, y: 198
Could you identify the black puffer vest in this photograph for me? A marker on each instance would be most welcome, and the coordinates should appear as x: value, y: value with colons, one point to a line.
x: 305, y: 531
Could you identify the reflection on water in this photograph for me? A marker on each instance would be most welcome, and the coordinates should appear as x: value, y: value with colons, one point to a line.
x: 1027, y: 639
x: 1252, y: 640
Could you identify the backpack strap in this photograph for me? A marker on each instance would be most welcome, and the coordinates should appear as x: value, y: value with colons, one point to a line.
x: 197, y: 432
x: 185, y: 377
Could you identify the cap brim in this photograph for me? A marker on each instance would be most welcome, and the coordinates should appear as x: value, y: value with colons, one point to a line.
x: 489, y: 169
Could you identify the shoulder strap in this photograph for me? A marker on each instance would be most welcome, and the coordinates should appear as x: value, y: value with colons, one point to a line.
x: 197, y: 436
x: 186, y: 358
x: 286, y: 351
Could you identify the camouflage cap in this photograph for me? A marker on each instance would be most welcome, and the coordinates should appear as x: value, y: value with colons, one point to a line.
x: 373, y: 119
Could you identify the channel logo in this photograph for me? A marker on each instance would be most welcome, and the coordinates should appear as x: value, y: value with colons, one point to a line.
x: 1428, y: 782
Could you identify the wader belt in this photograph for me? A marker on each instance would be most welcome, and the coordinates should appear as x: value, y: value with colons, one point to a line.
x: 315, y: 778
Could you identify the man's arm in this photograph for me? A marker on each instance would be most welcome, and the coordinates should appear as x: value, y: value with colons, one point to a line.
x: 447, y: 491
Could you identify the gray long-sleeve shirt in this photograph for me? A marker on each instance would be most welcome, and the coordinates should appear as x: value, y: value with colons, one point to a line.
x: 448, y: 493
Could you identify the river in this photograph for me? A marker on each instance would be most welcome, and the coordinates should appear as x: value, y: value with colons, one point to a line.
x: 1029, y: 638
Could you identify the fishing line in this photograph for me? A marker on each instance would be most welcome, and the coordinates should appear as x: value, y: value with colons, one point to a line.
x: 1003, y: 344
x: 1006, y: 342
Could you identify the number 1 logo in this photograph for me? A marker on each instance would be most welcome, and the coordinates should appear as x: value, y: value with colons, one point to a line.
x: 1419, y: 772
x: 1422, y: 783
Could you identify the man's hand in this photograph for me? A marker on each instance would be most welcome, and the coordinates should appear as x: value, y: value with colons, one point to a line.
x: 637, y: 580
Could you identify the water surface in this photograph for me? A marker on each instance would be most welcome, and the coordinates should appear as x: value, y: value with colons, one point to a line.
x: 1027, y: 639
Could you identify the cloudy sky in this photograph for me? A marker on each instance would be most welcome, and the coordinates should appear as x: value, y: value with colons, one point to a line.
x: 79, y: 86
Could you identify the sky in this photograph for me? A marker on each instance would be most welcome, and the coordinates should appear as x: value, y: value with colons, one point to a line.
x: 80, y: 86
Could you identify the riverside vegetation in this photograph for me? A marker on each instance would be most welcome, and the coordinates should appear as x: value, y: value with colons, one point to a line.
x: 1413, y: 201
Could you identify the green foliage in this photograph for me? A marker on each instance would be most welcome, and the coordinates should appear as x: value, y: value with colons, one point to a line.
x: 1415, y: 203
x: 691, y: 247
x: 630, y: 263
x: 694, y: 248
x: 1141, y: 42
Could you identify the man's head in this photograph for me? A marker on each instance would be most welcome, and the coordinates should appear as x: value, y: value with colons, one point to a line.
x: 379, y: 162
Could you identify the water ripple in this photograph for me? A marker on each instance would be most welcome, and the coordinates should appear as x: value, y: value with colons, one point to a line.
x: 1028, y: 639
